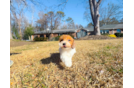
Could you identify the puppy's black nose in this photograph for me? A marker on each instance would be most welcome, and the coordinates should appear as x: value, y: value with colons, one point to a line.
x: 64, y: 43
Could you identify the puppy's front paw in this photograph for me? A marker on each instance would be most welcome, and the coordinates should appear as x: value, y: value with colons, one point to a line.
x: 69, y: 64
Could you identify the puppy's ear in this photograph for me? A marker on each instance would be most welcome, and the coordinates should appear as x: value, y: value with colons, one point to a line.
x: 73, y: 45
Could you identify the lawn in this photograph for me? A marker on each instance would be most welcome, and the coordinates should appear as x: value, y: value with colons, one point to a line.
x: 96, y: 64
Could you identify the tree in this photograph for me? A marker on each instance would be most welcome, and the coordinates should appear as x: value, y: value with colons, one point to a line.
x: 94, y: 9
x: 64, y: 26
x: 11, y: 37
x: 70, y: 23
x: 60, y: 14
x: 16, y: 10
x: 76, y: 26
x: 15, y: 32
x: 50, y: 18
x: 80, y: 26
x: 89, y: 25
x: 28, y: 32
x: 109, y: 13
x: 104, y: 15
x: 43, y: 21
x: 121, y: 21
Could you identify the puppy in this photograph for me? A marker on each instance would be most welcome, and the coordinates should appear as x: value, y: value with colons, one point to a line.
x: 67, y: 49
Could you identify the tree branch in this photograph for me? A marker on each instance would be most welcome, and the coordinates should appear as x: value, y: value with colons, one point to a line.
x: 63, y: 3
x: 91, y: 9
x: 98, y: 3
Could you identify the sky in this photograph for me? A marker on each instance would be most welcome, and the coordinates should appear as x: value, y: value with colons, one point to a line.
x: 73, y: 8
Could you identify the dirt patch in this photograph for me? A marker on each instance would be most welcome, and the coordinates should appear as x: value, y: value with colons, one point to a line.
x: 19, y: 43
x: 95, y: 37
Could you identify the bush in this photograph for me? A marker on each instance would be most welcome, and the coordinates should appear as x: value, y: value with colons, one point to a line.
x: 45, y: 39
x: 36, y: 39
x: 57, y: 38
x: 40, y: 39
x: 105, y: 34
x: 13, y: 37
x: 112, y: 35
x: 119, y: 34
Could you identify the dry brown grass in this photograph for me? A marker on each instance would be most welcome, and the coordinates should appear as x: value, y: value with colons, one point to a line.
x: 96, y: 64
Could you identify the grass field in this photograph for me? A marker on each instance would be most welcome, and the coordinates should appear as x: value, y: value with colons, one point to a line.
x: 96, y: 64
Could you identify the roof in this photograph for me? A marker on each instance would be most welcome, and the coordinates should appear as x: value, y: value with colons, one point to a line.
x: 90, y: 29
x: 65, y: 30
x: 57, y: 31
x: 112, y: 26
x: 42, y: 32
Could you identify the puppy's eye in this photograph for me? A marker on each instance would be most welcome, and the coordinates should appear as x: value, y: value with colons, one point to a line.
x: 61, y: 40
x: 69, y: 40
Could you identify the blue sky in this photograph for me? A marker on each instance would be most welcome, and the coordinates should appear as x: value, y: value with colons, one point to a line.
x: 74, y: 9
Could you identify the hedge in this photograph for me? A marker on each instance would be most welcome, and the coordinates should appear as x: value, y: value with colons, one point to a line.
x: 119, y: 34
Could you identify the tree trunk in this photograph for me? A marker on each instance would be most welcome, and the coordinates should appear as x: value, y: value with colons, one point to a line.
x: 97, y: 27
x: 29, y: 38
x: 94, y: 9
x: 11, y: 37
x: 20, y: 32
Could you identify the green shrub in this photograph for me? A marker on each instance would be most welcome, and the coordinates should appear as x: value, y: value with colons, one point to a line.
x: 13, y: 37
x: 119, y: 34
x: 40, y: 39
x: 36, y: 39
x: 45, y: 39
x: 57, y: 38
x: 105, y: 34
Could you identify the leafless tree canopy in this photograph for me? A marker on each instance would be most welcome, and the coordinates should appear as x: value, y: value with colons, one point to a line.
x: 49, y: 20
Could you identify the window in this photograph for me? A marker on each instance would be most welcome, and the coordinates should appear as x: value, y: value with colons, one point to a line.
x: 41, y: 35
x: 118, y: 31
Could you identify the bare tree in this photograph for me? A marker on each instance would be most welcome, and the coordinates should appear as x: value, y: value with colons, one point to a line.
x: 94, y: 9
x: 18, y: 20
x: 80, y: 26
x: 16, y: 9
x: 43, y: 21
x: 110, y: 12
x: 70, y: 23
x: 76, y: 26
x: 64, y: 26
x: 11, y: 36
x: 50, y: 18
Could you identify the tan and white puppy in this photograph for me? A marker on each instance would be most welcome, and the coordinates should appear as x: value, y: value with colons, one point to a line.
x: 67, y: 49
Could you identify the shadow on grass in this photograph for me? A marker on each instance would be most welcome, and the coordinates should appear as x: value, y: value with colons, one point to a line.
x: 13, y: 53
x: 55, y: 58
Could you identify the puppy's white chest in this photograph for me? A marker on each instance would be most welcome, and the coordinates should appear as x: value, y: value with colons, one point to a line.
x: 66, y: 56
x: 67, y: 53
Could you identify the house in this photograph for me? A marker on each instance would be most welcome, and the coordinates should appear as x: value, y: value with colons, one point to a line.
x: 112, y: 28
x: 77, y: 33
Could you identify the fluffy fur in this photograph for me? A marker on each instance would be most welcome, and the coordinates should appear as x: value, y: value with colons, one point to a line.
x: 67, y: 49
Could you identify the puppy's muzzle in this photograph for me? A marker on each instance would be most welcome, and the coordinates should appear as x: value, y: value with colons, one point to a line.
x: 64, y: 44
